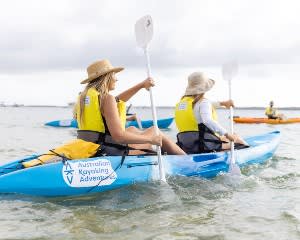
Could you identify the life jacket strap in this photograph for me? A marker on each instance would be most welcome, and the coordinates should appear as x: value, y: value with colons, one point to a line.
x: 202, y: 141
x: 106, y: 140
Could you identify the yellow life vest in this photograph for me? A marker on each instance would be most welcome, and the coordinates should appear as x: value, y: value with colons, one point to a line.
x: 92, y: 119
x: 122, y: 112
x: 270, y: 111
x: 75, y: 149
x: 184, y: 115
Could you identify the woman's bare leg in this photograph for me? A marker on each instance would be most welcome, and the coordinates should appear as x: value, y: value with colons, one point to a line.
x: 138, y: 146
x: 168, y: 145
x: 134, y: 130
x: 238, y: 139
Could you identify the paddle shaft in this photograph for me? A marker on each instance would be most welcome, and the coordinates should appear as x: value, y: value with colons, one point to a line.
x: 231, y: 125
x: 154, y: 115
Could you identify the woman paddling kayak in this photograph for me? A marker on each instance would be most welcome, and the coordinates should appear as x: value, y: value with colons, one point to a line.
x: 101, y: 117
x: 196, y: 119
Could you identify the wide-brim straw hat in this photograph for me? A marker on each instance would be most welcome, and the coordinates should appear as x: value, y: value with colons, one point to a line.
x: 198, y: 83
x: 100, y: 68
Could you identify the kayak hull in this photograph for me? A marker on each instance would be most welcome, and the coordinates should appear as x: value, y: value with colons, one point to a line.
x: 265, y: 120
x: 79, y: 177
x: 63, y: 123
x: 162, y: 123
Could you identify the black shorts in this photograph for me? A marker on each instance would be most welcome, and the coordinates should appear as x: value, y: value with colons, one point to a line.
x: 202, y: 141
x: 108, y: 146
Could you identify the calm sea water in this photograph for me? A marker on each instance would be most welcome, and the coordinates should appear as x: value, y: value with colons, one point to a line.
x: 262, y: 204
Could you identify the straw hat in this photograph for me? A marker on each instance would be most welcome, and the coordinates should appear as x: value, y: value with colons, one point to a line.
x: 198, y: 83
x: 100, y: 68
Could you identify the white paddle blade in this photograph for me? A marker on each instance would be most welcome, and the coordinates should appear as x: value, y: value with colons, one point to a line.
x: 229, y: 70
x: 144, y: 31
x: 234, y: 170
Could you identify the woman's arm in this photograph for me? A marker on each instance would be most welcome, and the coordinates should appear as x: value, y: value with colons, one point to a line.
x: 227, y: 104
x: 131, y: 117
x: 110, y: 112
x: 205, y: 117
x: 126, y: 95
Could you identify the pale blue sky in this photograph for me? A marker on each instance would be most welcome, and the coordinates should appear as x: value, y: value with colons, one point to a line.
x: 47, y: 45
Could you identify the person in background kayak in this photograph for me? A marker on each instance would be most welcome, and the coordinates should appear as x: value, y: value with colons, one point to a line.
x: 272, y: 112
x: 196, y: 119
x: 101, y: 117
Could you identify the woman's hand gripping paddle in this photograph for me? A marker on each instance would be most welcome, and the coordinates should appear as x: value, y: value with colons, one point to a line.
x: 229, y: 70
x: 143, y: 34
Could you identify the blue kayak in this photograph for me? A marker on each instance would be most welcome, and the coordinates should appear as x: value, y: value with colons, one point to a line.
x: 162, y: 123
x: 63, y: 123
x: 100, y: 174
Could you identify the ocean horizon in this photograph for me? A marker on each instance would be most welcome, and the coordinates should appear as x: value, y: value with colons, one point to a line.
x: 165, y: 107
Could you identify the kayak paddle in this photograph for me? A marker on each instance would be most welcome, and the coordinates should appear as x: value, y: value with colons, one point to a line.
x: 143, y: 35
x: 229, y: 70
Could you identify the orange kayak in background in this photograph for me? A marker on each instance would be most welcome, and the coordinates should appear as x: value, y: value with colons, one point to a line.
x: 265, y: 120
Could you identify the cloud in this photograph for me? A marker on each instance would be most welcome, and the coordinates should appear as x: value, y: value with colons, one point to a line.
x: 64, y: 35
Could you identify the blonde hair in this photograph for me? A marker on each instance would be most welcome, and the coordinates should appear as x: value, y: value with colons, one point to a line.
x: 101, y: 84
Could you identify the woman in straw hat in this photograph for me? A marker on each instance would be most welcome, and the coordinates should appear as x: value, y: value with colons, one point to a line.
x: 101, y: 117
x: 196, y: 119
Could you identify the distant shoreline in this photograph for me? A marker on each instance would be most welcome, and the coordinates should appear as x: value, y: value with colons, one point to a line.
x: 164, y: 107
